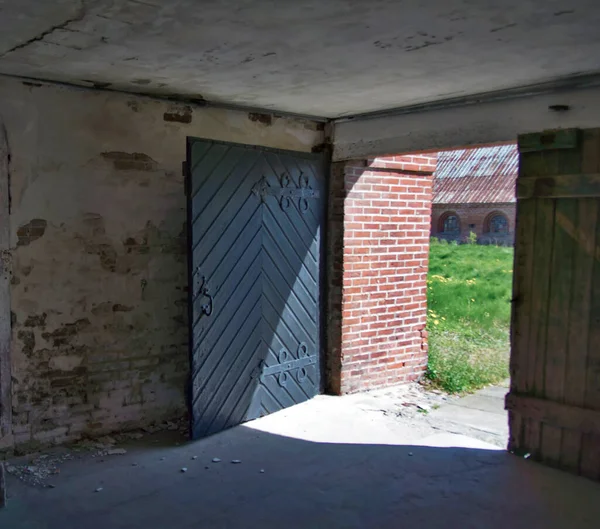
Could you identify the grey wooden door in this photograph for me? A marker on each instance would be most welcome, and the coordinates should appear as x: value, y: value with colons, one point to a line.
x: 255, y: 225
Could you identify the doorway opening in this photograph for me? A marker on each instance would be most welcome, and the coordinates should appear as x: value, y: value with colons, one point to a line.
x: 469, y: 283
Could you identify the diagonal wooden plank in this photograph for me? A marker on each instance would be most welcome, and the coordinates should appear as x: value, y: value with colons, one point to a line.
x: 306, y: 264
x: 211, y: 188
x: 221, y: 243
x: 216, y: 364
x: 288, y: 296
x: 205, y: 154
x: 218, y: 264
x: 233, y: 314
x: 227, y: 294
x: 226, y: 373
x: 236, y: 399
x: 217, y: 215
x: 281, y: 395
x: 301, y: 285
x: 283, y: 321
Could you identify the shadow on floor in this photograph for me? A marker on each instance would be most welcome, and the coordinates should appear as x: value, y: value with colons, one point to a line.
x: 305, y: 485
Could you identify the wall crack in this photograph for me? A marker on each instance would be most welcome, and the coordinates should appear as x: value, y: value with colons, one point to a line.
x: 77, y: 18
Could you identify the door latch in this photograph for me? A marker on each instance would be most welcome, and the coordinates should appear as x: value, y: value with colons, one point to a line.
x: 203, y: 291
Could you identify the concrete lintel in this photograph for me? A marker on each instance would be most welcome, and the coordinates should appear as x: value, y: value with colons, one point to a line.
x: 481, y: 123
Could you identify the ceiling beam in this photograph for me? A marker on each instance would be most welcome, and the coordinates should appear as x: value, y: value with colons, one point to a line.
x: 490, y: 118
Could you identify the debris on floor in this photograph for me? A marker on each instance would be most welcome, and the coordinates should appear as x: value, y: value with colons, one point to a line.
x: 407, y: 401
x: 116, y: 452
x: 38, y: 469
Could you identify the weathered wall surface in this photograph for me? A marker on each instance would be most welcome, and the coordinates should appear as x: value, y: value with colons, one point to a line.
x: 474, y: 218
x: 380, y: 210
x: 98, y: 246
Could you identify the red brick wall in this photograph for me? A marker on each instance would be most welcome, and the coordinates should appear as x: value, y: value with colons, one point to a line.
x: 379, y: 244
x: 477, y: 215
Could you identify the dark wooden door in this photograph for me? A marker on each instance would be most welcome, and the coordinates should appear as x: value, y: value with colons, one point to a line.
x: 554, y: 403
x: 255, y: 224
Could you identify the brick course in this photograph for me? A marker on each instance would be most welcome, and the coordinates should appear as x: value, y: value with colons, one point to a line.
x: 379, y: 245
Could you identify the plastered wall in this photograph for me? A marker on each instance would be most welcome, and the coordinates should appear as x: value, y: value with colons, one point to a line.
x: 97, y: 252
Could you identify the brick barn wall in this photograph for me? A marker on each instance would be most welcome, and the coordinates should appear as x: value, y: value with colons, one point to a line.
x: 379, y: 248
x: 475, y: 214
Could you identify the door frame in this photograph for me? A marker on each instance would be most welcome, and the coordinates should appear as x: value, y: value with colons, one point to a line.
x: 5, y: 273
x: 326, y: 151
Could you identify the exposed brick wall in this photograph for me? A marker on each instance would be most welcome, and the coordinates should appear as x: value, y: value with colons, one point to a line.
x: 381, y: 215
x: 473, y: 218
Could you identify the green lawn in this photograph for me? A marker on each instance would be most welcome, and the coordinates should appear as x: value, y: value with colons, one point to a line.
x: 468, y: 292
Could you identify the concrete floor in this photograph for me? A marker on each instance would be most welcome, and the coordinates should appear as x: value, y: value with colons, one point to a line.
x: 330, y: 463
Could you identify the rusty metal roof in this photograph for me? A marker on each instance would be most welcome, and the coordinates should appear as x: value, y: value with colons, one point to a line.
x: 479, y: 175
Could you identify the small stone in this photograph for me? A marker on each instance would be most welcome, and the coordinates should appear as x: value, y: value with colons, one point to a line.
x: 51, y: 486
x: 99, y: 489
x: 116, y: 452
x: 162, y: 458
x: 410, y: 453
x: 134, y: 464
x: 236, y: 461
x: 206, y: 468
x: 184, y: 469
x: 194, y: 458
x: 262, y: 470
x: 216, y: 460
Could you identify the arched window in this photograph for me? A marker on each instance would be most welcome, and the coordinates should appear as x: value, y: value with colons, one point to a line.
x: 497, y: 223
x: 449, y: 223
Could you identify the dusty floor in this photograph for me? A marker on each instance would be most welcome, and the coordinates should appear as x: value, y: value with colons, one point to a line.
x: 387, y: 459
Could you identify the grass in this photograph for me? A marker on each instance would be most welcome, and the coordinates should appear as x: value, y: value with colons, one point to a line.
x: 468, y: 291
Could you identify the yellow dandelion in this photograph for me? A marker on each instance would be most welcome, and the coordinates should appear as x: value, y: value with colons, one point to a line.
x: 436, y: 322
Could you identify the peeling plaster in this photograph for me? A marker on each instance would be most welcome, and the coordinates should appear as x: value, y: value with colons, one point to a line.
x: 99, y: 301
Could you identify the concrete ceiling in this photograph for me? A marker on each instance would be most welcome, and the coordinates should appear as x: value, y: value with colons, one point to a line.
x: 327, y: 58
